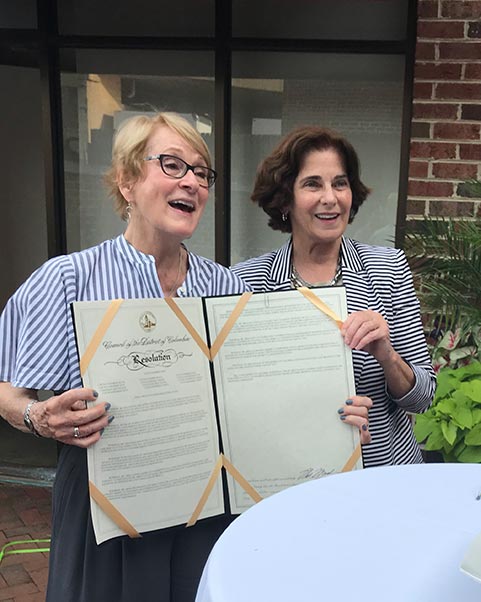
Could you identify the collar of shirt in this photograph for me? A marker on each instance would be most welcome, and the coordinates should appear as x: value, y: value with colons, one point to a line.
x: 282, y: 264
x: 198, y: 274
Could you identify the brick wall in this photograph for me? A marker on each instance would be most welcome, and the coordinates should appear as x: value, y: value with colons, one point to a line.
x: 446, y: 125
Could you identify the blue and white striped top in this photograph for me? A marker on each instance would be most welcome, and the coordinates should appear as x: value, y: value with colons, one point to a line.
x: 376, y: 278
x: 37, y: 340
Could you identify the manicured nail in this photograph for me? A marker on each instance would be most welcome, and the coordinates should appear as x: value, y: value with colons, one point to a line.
x: 343, y: 417
x: 364, y: 427
x: 110, y: 419
x: 102, y: 432
x: 340, y: 411
x: 107, y: 406
x: 349, y: 402
x: 95, y: 394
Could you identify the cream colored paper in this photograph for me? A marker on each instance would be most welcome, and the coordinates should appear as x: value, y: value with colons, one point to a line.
x: 222, y: 462
x: 152, y: 463
x: 281, y: 376
x: 281, y: 372
x: 111, y: 511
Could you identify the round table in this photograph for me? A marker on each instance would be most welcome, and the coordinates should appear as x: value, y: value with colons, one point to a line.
x: 394, y: 534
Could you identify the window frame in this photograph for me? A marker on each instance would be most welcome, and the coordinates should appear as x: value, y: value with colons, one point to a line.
x: 46, y: 43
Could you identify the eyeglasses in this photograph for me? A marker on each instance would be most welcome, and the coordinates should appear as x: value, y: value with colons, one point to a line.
x: 175, y: 167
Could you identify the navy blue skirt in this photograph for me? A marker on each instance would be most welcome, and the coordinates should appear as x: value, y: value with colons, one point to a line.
x: 161, y: 566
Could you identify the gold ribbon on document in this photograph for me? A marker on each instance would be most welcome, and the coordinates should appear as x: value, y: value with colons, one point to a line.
x: 314, y: 299
x: 222, y: 461
x: 236, y: 312
x: 111, y: 511
x: 356, y: 454
x: 190, y: 329
x: 244, y: 483
x: 221, y: 337
x: 205, y: 494
x: 102, y: 328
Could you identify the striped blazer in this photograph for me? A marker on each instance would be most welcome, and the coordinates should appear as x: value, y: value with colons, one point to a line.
x: 376, y: 278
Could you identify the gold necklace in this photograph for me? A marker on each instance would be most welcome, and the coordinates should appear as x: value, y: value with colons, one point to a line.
x: 177, y: 278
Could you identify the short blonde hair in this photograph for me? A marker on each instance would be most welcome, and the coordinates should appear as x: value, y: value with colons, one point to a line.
x: 129, y: 149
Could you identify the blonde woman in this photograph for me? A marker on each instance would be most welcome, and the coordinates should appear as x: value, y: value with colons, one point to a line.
x: 160, y: 178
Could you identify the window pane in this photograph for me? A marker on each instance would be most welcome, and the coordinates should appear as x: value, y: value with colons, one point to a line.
x: 190, y: 18
x: 101, y: 91
x: 23, y: 244
x: 358, y: 95
x: 18, y: 14
x: 24, y: 240
x: 327, y: 19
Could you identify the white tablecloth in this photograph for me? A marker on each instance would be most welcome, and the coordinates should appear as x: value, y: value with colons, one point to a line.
x: 391, y: 534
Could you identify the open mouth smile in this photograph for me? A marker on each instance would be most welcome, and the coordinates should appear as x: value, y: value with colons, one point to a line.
x: 185, y: 206
x: 327, y: 216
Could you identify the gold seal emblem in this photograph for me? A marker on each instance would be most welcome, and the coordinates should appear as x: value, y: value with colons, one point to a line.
x: 147, y: 321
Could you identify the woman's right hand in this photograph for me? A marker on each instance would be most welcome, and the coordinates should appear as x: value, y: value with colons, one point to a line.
x: 67, y: 418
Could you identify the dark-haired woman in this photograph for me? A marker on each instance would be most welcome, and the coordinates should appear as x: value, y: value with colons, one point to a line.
x: 310, y: 186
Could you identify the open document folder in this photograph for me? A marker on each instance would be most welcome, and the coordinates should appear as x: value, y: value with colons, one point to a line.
x: 259, y: 377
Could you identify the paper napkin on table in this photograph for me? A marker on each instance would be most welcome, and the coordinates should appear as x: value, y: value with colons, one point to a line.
x: 471, y: 564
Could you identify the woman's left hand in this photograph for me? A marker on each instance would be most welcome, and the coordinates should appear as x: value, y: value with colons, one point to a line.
x: 356, y: 412
x: 368, y: 330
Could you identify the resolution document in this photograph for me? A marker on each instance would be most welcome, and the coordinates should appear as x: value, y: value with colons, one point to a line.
x: 283, y: 373
x: 271, y: 390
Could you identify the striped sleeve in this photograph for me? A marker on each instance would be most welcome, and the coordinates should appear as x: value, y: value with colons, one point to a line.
x: 208, y: 278
x: 35, y: 328
x: 258, y: 271
x: 225, y: 282
x: 408, y: 339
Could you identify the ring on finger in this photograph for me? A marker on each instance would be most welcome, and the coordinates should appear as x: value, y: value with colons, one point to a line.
x: 76, y: 432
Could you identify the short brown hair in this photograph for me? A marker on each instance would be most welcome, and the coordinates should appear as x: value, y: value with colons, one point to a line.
x: 129, y: 146
x: 274, y: 183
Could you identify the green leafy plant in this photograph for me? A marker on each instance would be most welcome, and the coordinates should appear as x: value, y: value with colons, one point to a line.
x: 445, y: 256
x: 453, y: 423
x: 455, y: 348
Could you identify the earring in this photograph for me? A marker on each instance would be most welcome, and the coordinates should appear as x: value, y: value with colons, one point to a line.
x: 128, y: 211
x: 284, y: 217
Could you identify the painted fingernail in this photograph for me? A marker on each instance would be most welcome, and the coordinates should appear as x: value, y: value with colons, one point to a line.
x: 110, y: 419
x: 343, y: 417
x: 349, y: 402
x: 95, y: 394
x: 102, y: 432
x: 340, y: 411
x: 107, y: 406
x: 364, y: 427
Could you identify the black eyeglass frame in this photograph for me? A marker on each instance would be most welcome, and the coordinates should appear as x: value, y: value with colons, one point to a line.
x: 211, y: 173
